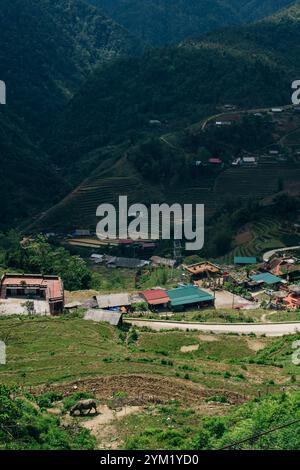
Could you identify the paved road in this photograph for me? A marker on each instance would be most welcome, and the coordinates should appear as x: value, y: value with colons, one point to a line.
x: 270, y: 253
x: 268, y: 329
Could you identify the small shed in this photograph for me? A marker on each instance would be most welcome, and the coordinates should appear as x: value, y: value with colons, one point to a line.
x: 113, y: 318
x: 157, y: 261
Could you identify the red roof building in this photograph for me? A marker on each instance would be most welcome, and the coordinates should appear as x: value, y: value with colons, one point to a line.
x: 215, y: 161
x: 156, y: 297
x: 34, y: 287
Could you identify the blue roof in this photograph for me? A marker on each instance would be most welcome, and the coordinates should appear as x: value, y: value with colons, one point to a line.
x: 266, y: 278
x: 245, y: 260
x: 188, y: 295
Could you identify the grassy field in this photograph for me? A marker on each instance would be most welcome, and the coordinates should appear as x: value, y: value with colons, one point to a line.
x: 45, y: 351
x: 225, y: 315
x: 154, y: 390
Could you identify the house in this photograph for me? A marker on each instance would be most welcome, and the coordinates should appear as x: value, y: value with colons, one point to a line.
x: 249, y: 161
x: 266, y: 279
x: 112, y: 301
x: 129, y: 263
x: 202, y: 270
x: 113, y: 318
x: 189, y: 296
x: 223, y: 123
x: 215, y: 161
x: 81, y: 233
x: 157, y: 261
x: 156, y: 298
x: 288, y: 268
x: 244, y: 260
x: 292, y: 300
x: 97, y: 259
x: 34, y: 287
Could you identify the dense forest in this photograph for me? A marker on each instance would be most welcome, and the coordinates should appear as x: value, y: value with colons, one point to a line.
x: 168, y: 21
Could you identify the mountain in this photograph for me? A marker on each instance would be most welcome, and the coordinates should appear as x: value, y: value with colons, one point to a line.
x: 104, y: 140
x: 29, y: 182
x: 168, y: 21
x: 179, y: 85
x: 49, y: 47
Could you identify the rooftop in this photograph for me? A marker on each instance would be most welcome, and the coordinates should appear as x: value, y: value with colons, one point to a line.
x: 53, y: 284
x: 114, y: 318
x: 245, y: 260
x: 202, y: 267
x: 188, y: 295
x: 266, y: 278
x: 156, y: 296
x: 113, y: 300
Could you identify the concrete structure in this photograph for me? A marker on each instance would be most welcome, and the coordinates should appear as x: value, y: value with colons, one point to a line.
x: 34, y: 287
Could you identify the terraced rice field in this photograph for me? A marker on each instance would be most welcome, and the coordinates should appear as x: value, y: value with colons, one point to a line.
x: 266, y: 235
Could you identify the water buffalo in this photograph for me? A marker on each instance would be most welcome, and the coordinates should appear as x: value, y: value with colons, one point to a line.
x: 84, y: 405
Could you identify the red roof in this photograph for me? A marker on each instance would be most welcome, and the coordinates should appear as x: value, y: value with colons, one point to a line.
x: 215, y: 161
x: 53, y: 284
x: 156, y: 296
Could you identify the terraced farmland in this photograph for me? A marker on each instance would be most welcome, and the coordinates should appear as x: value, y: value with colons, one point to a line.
x: 266, y: 235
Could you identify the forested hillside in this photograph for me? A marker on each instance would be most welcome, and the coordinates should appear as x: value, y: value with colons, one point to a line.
x: 178, y: 85
x: 48, y: 48
x: 166, y: 21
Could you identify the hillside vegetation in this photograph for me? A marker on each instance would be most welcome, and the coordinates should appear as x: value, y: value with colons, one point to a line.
x: 168, y: 21
x: 181, y: 84
x: 48, y: 48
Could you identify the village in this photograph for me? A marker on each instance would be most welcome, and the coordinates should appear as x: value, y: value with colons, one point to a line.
x: 247, y: 284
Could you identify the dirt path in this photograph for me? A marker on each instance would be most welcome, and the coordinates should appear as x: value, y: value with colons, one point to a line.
x: 103, y: 426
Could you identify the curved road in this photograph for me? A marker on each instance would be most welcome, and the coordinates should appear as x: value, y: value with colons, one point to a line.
x: 270, y: 253
x: 268, y: 329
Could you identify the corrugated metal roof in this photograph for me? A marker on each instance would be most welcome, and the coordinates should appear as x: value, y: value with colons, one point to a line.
x: 113, y: 300
x: 245, y: 260
x: 266, y: 278
x: 114, y: 318
x: 156, y: 296
x: 188, y: 295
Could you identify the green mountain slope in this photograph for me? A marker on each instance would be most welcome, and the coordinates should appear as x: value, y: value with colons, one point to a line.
x: 28, y: 180
x: 48, y: 48
x: 246, y: 66
x: 166, y: 21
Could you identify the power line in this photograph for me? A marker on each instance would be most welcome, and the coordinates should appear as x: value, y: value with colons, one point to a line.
x: 256, y: 436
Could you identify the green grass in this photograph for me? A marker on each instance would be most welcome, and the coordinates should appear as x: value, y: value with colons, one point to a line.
x: 44, y: 351
x: 225, y: 315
